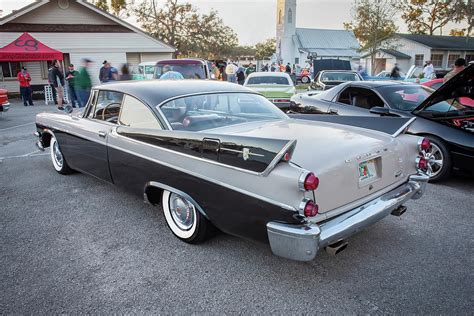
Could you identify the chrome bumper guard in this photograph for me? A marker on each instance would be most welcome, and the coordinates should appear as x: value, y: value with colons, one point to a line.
x: 302, y: 242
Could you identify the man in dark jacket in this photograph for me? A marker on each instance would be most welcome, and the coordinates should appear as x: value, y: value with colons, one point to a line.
x: 104, y: 72
x: 56, y: 79
x: 70, y: 75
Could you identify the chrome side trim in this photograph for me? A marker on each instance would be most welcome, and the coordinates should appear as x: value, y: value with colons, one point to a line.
x: 278, y: 157
x: 404, y: 126
x: 174, y: 190
x: 302, y: 242
x: 231, y: 187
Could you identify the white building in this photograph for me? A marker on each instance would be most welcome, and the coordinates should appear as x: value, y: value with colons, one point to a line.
x: 78, y: 29
x: 294, y: 45
x: 414, y: 49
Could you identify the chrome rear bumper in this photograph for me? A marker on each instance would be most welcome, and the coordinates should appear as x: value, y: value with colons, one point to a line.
x: 302, y: 242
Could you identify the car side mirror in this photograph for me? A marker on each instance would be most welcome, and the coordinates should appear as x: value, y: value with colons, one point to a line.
x: 380, y: 111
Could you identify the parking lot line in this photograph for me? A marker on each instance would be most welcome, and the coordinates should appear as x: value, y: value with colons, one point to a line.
x: 7, y: 128
x: 32, y: 154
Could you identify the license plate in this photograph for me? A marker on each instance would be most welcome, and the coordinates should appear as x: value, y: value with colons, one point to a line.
x: 367, y: 170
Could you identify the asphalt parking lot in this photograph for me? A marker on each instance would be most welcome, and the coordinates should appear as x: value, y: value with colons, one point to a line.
x: 74, y: 244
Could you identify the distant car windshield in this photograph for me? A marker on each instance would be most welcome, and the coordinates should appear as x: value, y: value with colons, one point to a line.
x: 207, y: 111
x: 268, y: 80
x: 409, y: 97
x: 339, y: 76
x: 189, y: 71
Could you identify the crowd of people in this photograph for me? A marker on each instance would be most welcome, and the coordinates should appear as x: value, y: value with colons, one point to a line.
x: 79, y: 82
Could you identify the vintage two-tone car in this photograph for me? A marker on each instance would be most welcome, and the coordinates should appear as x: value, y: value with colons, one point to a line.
x: 218, y: 154
x: 275, y: 86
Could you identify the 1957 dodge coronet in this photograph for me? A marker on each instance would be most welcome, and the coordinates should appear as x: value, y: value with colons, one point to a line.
x: 218, y: 154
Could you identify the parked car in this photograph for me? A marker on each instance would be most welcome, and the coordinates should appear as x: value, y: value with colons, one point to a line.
x: 304, y: 76
x: 190, y: 68
x: 218, y: 154
x: 4, y: 104
x: 385, y: 75
x: 440, y: 116
x: 327, y: 79
x: 146, y: 71
x: 437, y: 83
x: 275, y: 86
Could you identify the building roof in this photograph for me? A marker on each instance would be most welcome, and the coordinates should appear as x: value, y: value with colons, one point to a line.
x: 395, y: 53
x: 441, y: 42
x: 38, y: 3
x: 324, y: 42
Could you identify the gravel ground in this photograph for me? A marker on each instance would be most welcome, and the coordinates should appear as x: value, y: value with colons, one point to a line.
x: 74, y: 244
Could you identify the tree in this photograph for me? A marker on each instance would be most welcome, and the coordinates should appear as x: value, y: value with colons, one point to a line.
x: 457, y: 32
x: 372, y: 24
x: 115, y: 7
x: 464, y: 11
x: 426, y: 16
x: 242, y: 50
x: 265, y: 49
x: 181, y: 26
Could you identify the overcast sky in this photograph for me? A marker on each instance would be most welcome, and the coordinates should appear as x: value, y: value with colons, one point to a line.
x: 254, y: 20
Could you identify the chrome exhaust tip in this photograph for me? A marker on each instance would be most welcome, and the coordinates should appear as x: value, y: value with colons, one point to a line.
x: 399, y: 211
x: 337, y: 247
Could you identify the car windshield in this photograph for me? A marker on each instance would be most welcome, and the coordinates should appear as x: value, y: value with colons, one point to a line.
x: 407, y: 98
x: 268, y: 80
x: 189, y: 71
x: 339, y: 76
x: 207, y: 111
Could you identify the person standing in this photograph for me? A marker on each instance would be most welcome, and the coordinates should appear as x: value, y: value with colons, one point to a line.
x: 83, y: 82
x: 215, y: 71
x: 288, y: 68
x: 459, y: 66
x: 231, y: 71
x: 428, y: 70
x: 125, y: 73
x: 57, y: 78
x: 25, y: 88
x: 70, y: 75
x: 395, y: 73
x: 104, y: 72
x: 250, y: 69
x: 241, y: 76
x: 273, y: 68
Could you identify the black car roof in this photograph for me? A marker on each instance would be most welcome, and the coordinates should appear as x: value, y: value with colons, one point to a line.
x: 155, y: 92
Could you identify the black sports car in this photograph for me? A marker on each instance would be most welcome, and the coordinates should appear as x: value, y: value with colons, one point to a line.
x: 440, y: 116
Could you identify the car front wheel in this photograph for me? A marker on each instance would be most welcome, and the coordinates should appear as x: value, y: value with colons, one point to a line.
x: 439, y: 160
x: 59, y: 162
x: 184, y: 219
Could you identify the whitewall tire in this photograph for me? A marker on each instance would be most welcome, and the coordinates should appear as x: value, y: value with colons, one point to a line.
x: 184, y: 219
x: 57, y: 157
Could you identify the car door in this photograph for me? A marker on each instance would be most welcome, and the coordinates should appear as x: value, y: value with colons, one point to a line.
x: 355, y: 101
x: 86, y: 151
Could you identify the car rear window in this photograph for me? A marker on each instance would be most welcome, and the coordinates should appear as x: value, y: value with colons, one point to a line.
x: 268, y: 80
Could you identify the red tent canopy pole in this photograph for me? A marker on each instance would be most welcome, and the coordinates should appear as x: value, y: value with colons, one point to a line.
x: 27, y: 48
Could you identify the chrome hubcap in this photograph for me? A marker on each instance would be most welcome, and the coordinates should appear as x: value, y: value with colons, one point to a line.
x: 182, y: 212
x: 58, y: 157
x: 435, y: 159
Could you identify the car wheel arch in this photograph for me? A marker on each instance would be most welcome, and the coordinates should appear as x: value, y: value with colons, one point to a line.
x: 153, y: 193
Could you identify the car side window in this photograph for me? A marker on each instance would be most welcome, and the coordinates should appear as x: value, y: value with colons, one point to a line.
x: 107, y: 107
x: 136, y: 114
x: 360, y: 97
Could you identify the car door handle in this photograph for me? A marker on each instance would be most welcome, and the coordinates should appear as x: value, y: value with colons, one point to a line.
x: 332, y: 111
x: 102, y: 134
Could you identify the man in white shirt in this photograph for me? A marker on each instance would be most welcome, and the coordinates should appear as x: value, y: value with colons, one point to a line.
x: 231, y: 71
x: 428, y: 70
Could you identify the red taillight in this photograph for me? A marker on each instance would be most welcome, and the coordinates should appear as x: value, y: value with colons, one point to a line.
x: 310, y: 209
x: 286, y: 157
x: 311, y: 182
x: 424, y: 144
x: 422, y: 163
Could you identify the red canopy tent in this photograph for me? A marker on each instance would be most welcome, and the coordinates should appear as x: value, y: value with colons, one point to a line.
x: 27, y: 48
